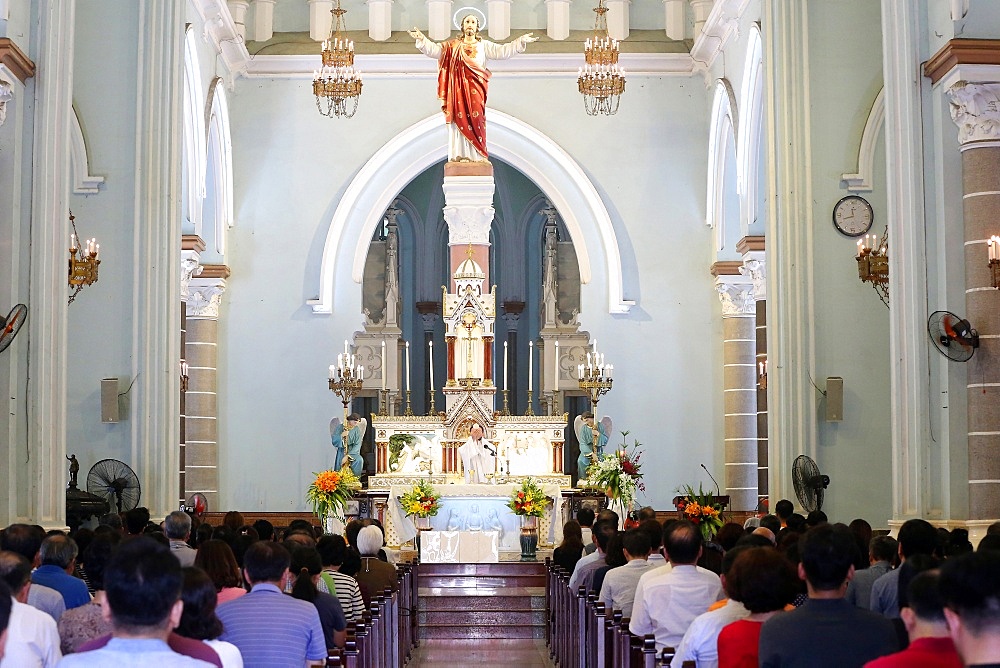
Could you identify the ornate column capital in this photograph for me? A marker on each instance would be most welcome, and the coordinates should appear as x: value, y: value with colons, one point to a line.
x: 737, y: 296
x: 468, y: 209
x: 205, y: 297
x: 975, y: 109
x: 755, y: 269
x: 6, y: 95
x: 190, y: 267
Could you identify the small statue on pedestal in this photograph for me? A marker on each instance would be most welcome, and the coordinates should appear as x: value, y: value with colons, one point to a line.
x: 74, y: 470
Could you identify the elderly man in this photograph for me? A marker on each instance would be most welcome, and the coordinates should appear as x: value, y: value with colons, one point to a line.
x: 32, y: 637
x: 269, y: 628
x: 479, y: 456
x: 177, y: 527
x: 58, y: 558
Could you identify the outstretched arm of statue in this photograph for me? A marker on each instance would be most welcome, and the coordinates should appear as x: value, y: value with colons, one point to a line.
x: 417, y: 35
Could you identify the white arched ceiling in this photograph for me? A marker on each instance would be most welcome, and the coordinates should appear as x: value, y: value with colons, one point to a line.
x: 220, y: 153
x: 84, y: 183
x: 194, y: 135
x: 511, y: 140
x: 748, y: 152
x: 861, y: 181
x: 721, y: 156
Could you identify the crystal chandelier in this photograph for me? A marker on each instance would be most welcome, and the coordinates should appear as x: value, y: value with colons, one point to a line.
x: 873, y: 263
x: 600, y: 81
x: 84, y: 260
x: 337, y: 86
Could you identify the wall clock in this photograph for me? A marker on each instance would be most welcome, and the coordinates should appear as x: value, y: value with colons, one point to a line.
x: 853, y: 215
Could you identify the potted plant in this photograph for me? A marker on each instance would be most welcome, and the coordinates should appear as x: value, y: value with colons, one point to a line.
x: 422, y: 503
x: 529, y: 502
x: 329, y: 493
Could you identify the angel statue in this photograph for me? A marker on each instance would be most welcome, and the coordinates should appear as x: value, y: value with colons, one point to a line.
x: 592, y: 436
x: 355, y: 429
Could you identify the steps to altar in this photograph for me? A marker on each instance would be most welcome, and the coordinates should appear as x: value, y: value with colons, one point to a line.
x: 503, y: 600
x: 504, y: 653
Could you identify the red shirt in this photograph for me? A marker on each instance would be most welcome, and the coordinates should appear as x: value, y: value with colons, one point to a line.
x: 922, y: 653
x: 738, y: 644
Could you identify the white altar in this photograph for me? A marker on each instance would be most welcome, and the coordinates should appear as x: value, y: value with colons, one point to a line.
x: 476, y: 508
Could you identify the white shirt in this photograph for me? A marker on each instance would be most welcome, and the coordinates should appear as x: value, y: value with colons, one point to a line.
x: 670, y: 602
x: 32, y: 639
x: 618, y: 590
x: 638, y: 607
x: 577, y: 579
x: 229, y: 654
x: 701, y: 642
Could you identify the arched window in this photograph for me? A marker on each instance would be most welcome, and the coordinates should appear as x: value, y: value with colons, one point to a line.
x: 749, y: 146
x: 219, y: 181
x: 193, y: 179
x: 722, y: 166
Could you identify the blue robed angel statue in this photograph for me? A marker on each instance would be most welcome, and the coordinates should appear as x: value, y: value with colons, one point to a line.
x: 592, y: 436
x: 348, y: 454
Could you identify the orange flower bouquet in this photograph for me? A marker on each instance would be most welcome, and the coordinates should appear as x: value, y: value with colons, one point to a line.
x: 330, y: 492
x: 528, y: 499
x: 701, y: 509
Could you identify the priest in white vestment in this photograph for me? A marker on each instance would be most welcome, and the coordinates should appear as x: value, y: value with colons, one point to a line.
x: 478, y: 456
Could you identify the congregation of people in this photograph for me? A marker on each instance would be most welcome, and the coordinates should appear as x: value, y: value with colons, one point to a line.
x: 785, y: 590
x: 131, y: 592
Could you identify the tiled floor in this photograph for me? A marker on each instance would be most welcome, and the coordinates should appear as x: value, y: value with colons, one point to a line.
x: 481, y: 654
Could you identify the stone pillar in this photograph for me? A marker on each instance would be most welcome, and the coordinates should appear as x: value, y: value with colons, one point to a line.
x: 755, y: 269
x: 238, y: 10
x: 739, y: 384
x: 191, y: 248
x: 320, y: 19
x: 557, y: 19
x: 701, y: 10
x: 468, y: 196
x: 675, y: 18
x: 263, y: 20
x: 380, y: 19
x: 976, y: 109
x: 201, y: 352
x: 618, y: 23
x: 50, y: 186
x: 498, y: 19
x: 439, y: 19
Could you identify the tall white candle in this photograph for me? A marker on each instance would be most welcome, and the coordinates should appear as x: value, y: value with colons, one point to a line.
x: 531, y: 355
x: 555, y: 370
x: 506, y: 378
x: 595, y: 346
x: 407, y: 366
x: 430, y: 361
x: 383, y: 365
x: 346, y: 350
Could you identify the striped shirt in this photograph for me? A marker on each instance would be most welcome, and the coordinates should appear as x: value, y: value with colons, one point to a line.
x: 346, y: 589
x: 271, y: 629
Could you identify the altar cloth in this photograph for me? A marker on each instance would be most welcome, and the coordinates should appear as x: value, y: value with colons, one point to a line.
x: 459, y: 547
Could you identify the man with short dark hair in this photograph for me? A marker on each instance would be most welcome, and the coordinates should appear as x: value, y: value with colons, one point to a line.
x: 881, y: 551
x: 269, y: 628
x: 654, y: 530
x: 142, y: 589
x: 583, y: 574
x: 826, y: 630
x: 585, y: 516
x: 970, y: 589
x: 915, y: 537
x: 32, y: 636
x: 923, y: 616
x: 670, y: 602
x: 772, y: 522
x: 26, y: 540
x: 177, y: 527
x: 618, y: 590
x: 784, y: 509
x: 57, y: 556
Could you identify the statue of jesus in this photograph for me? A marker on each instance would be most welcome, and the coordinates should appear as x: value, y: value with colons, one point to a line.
x: 463, y: 81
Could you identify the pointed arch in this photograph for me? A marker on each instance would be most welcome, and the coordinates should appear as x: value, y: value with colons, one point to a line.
x: 721, y: 147
x: 513, y: 141
x: 750, y: 128
x: 220, y: 158
x: 194, y: 156
x: 84, y: 183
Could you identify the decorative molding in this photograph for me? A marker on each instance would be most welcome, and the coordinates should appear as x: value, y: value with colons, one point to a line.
x: 83, y: 182
x: 721, y: 26
x: 14, y: 59
x: 190, y: 268
x: 756, y: 270
x: 750, y: 245
x: 6, y: 95
x: 216, y: 271
x: 192, y: 242
x: 726, y: 268
x: 220, y: 30
x: 975, y: 109
x: 555, y: 172
x: 959, y: 52
x: 861, y: 181
x: 736, y: 296
x: 468, y: 218
x: 205, y: 297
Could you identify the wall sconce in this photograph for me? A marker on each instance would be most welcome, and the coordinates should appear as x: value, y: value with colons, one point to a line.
x: 993, y: 248
x: 184, y: 375
x: 83, y: 261
x: 873, y: 263
x: 762, y: 375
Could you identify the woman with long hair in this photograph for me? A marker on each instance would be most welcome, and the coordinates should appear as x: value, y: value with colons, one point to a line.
x: 306, y: 568
x: 570, y: 549
x: 216, y: 558
x: 199, y: 622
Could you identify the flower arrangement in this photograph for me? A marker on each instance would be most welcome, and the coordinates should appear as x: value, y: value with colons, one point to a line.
x: 330, y: 492
x: 421, y: 501
x: 701, y: 509
x: 528, y: 499
x: 617, y: 473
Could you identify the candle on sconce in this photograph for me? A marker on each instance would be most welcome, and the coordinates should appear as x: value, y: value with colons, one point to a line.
x: 506, y: 378
x: 555, y: 370
x: 531, y: 355
x: 332, y: 372
x: 407, y: 366
x: 383, y: 365
x: 430, y: 362
x: 346, y: 349
x: 361, y: 373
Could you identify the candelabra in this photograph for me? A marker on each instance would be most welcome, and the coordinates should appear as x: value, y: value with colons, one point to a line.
x: 383, y: 402
x: 993, y: 248
x: 337, y: 86
x: 184, y: 376
x: 594, y: 377
x: 873, y: 263
x: 346, y: 378
x: 529, y: 410
x: 83, y: 261
x: 762, y: 375
x: 600, y: 81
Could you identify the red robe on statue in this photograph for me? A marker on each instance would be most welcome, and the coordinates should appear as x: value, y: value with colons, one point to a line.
x: 462, y: 86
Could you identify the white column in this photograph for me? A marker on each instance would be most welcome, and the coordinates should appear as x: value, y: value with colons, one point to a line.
x: 557, y: 19
x: 380, y: 19
x: 791, y: 298
x: 701, y: 10
x: 498, y: 18
x: 48, y: 290
x: 320, y: 19
x: 911, y: 440
x: 675, y: 18
x: 155, y: 396
x: 238, y: 9
x: 263, y: 20
x: 439, y: 19
x: 618, y: 18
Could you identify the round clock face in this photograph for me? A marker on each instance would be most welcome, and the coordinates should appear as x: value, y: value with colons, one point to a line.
x: 853, y: 215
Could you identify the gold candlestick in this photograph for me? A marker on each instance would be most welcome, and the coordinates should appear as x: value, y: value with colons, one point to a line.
x: 529, y: 410
x: 383, y: 402
x: 506, y: 406
x: 409, y: 410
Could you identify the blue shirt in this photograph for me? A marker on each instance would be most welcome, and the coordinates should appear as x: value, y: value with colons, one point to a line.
x: 132, y: 652
x: 74, y: 590
x: 272, y: 629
